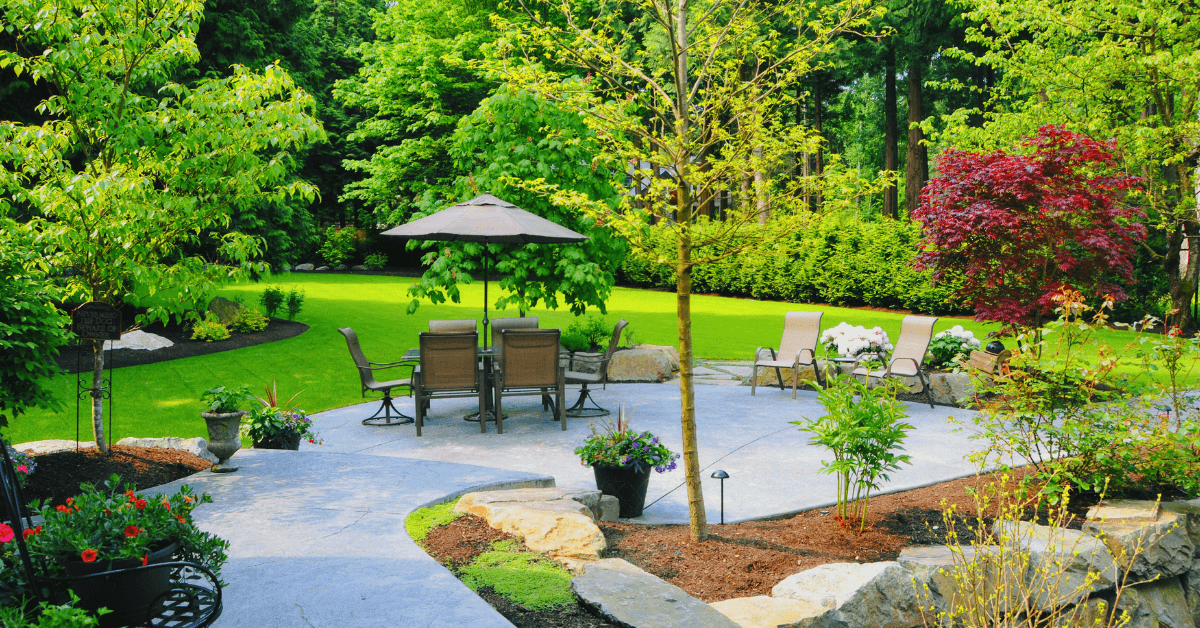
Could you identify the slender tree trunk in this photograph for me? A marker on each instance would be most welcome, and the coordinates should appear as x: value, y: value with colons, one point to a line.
x: 760, y: 192
x: 97, y: 398
x: 890, y: 134
x: 817, y: 124
x: 916, y: 169
x: 687, y: 389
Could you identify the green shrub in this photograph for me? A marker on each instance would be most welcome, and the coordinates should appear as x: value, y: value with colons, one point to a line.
x: 209, y: 329
x: 375, y: 261
x: 338, y: 245
x: 589, y: 334
x: 294, y: 301
x: 248, y: 320
x: 31, y: 331
x: 271, y: 300
x: 524, y: 577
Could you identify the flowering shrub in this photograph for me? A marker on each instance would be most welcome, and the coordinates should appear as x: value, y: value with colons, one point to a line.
x: 23, y: 463
x: 853, y: 341
x: 110, y: 524
x: 271, y: 423
x: 618, y: 446
x: 947, y: 345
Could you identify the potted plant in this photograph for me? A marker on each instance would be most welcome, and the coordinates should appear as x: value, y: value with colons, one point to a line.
x: 622, y: 460
x: 275, y: 426
x: 223, y: 414
x: 115, y: 528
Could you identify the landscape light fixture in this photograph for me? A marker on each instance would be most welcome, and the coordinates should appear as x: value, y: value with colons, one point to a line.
x: 721, y: 475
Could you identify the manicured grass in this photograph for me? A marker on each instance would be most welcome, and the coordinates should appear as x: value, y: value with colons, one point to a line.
x: 162, y: 399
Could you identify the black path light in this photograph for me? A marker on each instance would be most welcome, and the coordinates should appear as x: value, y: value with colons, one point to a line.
x: 721, y: 475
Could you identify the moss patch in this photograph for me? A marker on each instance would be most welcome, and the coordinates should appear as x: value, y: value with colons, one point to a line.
x: 524, y: 577
x: 422, y: 520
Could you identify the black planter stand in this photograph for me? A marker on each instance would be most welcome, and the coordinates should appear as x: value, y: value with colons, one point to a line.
x: 627, y: 484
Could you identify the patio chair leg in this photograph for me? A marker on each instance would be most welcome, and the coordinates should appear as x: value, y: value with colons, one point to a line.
x: 779, y: 376
x: 753, y: 379
x: 580, y: 409
x: 421, y: 407
x: 387, y: 408
x: 795, y: 379
x: 925, y: 385
x: 561, y: 411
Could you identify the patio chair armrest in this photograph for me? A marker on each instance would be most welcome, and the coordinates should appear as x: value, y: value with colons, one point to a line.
x: 811, y: 354
x: 387, y: 365
x: 771, y: 349
x: 916, y: 364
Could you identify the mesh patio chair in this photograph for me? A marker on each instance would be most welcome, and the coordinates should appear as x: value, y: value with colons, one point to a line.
x: 456, y: 325
x: 366, y: 376
x: 449, y: 368
x: 581, y: 409
x: 908, y: 357
x: 797, y: 347
x: 501, y: 324
x: 527, y: 364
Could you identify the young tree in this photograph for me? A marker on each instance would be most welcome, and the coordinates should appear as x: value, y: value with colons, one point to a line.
x: 1018, y: 229
x: 698, y: 106
x: 130, y: 172
x: 1117, y: 69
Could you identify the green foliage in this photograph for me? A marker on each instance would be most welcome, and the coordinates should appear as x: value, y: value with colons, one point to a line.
x: 422, y: 520
x: 863, y: 428
x: 338, y: 245
x: 948, y: 348
x: 210, y: 328
x: 271, y: 300
x: 840, y: 260
x: 589, y: 334
x: 222, y: 400
x: 294, y: 302
x: 524, y: 577
x: 51, y: 616
x: 31, y: 331
x: 618, y: 446
x: 375, y: 261
x: 269, y: 423
x: 248, y: 320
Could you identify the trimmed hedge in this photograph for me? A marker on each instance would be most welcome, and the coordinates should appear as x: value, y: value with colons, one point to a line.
x: 840, y: 261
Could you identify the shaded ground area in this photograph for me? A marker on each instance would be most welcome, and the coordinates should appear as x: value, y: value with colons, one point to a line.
x: 59, y: 474
x: 457, y: 544
x: 72, y: 357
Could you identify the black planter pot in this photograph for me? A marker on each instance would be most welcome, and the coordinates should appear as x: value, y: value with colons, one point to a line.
x: 627, y: 484
x: 290, y: 442
x: 132, y: 596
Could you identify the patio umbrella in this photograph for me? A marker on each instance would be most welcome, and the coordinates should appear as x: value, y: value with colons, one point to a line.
x: 486, y: 219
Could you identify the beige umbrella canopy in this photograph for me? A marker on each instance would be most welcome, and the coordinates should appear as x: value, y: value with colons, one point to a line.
x: 486, y: 219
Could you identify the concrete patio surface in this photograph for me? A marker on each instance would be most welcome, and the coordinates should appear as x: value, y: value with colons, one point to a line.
x: 773, y: 471
x: 318, y: 539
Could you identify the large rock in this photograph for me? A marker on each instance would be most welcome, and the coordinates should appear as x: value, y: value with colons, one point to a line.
x: 1159, y: 604
x: 933, y: 569
x: 358, y: 267
x: 639, y: 365
x: 195, y: 446
x: 1065, y: 566
x: 224, y: 309
x: 671, y: 352
x: 322, y: 268
x: 630, y: 597
x: 38, y: 447
x: 879, y: 595
x: 581, y: 362
x: 1191, y: 589
x: 762, y: 611
x: 1146, y: 540
x: 951, y: 389
x: 556, y: 522
x: 303, y: 267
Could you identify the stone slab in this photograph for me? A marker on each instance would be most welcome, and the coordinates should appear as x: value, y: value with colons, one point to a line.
x: 317, y: 539
x: 195, y: 446
x: 880, y: 595
x: 763, y: 611
x: 610, y: 508
x: 630, y: 597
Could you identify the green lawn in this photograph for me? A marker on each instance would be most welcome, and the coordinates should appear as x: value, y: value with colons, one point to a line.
x: 161, y: 399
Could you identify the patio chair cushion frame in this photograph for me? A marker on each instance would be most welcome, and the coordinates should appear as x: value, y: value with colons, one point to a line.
x: 366, y: 374
x: 797, y: 347
x: 580, y: 408
x: 528, y: 365
x: 916, y: 332
x: 449, y: 368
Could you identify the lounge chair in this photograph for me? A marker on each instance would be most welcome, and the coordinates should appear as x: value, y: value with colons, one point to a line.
x: 449, y: 368
x: 527, y: 364
x: 600, y: 363
x: 797, y: 347
x: 366, y: 376
x: 908, y: 356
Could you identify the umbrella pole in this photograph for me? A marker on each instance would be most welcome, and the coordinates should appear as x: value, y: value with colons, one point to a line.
x: 486, y: 254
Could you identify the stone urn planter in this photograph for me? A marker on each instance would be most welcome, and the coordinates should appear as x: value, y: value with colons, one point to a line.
x: 289, y: 441
x: 627, y: 484
x: 224, y: 437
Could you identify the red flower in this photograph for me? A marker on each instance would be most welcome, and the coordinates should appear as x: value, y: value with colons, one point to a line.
x: 166, y: 504
x: 130, y: 495
x: 132, y: 531
x: 139, y: 504
x: 31, y: 532
x: 181, y: 519
x: 70, y: 500
x: 88, y: 555
x: 145, y: 560
x: 6, y: 533
x: 61, y: 508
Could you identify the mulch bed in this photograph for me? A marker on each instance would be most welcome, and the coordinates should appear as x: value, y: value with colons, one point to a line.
x: 72, y: 358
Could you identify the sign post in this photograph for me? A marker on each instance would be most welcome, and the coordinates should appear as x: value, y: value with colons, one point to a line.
x: 95, y: 321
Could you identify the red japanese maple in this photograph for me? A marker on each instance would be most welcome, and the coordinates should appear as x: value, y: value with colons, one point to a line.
x: 1018, y: 228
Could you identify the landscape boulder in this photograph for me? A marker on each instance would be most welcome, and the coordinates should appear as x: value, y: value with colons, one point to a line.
x: 628, y: 596
x: 763, y: 611
x: 358, y: 267
x: 1050, y: 549
x: 224, y: 309
x: 671, y: 352
x: 951, y: 389
x: 322, y: 268
x: 1158, y: 604
x: 880, y: 595
x: 639, y: 365
x: 1147, y: 539
x: 303, y: 267
x: 560, y: 523
x: 195, y: 446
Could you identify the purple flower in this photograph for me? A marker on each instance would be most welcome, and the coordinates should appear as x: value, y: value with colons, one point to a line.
x: 637, y: 445
x: 654, y: 441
